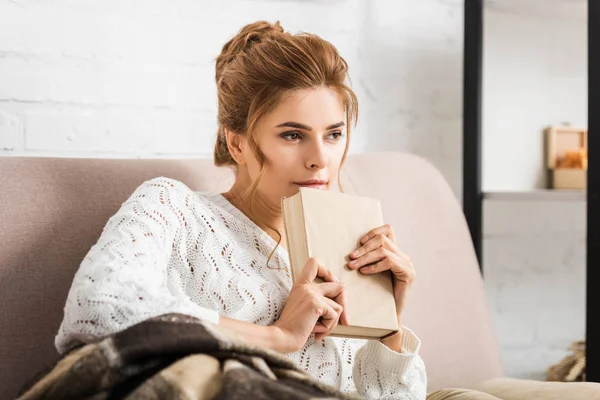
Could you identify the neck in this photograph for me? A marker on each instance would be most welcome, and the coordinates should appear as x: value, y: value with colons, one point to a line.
x: 265, y: 215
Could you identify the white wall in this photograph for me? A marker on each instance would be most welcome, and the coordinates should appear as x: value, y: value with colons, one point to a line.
x: 535, y: 75
x: 534, y: 275
x: 82, y: 78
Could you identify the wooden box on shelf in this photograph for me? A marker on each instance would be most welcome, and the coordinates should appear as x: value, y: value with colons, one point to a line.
x: 566, y: 153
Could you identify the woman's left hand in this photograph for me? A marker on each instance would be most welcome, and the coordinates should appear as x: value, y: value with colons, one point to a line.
x: 379, y: 253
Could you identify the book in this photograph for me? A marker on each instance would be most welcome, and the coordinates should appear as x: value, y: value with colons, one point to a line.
x: 328, y: 226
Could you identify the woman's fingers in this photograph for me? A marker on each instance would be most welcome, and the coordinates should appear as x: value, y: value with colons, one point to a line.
x: 335, y: 291
x: 330, y: 299
x: 329, y: 289
x: 385, y: 230
x: 319, y: 328
x: 309, y: 272
x: 380, y: 266
x: 313, y: 270
x: 330, y: 313
x: 374, y: 243
x: 329, y: 320
x: 371, y: 257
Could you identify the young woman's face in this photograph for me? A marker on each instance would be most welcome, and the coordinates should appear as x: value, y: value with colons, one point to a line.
x: 303, y: 141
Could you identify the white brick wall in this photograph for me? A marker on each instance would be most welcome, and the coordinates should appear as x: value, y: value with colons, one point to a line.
x: 132, y: 78
x: 535, y: 75
x: 135, y: 78
x: 11, y: 132
x: 534, y: 259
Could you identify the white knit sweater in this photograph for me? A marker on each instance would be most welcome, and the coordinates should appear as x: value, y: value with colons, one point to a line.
x: 169, y: 249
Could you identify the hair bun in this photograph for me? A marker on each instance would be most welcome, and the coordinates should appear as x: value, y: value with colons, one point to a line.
x: 254, y: 32
x: 247, y: 37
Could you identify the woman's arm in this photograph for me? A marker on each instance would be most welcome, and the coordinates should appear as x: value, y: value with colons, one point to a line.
x: 268, y: 337
x: 380, y: 372
x: 124, y: 277
x: 394, y: 342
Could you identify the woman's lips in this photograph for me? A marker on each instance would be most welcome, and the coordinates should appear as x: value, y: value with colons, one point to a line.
x: 315, y: 184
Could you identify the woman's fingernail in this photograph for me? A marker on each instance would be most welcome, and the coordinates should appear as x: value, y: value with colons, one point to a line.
x: 364, y: 239
x: 355, y: 253
x: 365, y: 269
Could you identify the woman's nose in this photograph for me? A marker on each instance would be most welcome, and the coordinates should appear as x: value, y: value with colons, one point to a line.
x: 318, y: 157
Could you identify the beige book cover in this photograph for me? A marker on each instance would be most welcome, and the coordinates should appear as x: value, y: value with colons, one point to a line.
x: 328, y: 226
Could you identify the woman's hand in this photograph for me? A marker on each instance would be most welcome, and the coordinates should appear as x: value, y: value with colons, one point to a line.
x: 379, y: 253
x: 311, y: 308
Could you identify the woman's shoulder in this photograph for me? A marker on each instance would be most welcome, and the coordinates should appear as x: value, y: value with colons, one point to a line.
x: 168, y: 190
x: 163, y: 185
x: 173, y: 193
x: 173, y: 196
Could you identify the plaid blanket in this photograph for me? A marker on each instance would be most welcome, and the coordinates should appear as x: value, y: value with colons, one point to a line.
x: 175, y: 356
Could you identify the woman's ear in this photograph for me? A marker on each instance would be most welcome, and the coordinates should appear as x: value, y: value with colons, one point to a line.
x: 235, y: 146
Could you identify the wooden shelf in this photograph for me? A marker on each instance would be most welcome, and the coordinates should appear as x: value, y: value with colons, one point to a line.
x: 537, y: 195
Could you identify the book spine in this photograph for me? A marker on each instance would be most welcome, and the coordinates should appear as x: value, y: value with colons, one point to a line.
x: 285, y: 206
x: 304, y: 239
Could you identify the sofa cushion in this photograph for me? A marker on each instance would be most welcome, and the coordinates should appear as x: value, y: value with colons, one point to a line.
x: 522, y: 389
x: 460, y: 394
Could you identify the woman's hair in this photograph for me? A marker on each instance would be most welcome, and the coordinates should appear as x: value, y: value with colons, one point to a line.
x: 258, y: 68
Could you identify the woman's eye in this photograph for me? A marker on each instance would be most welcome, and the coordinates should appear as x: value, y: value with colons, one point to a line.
x: 291, y: 135
x: 335, y: 135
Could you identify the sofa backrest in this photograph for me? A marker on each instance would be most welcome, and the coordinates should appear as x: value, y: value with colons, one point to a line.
x: 52, y: 211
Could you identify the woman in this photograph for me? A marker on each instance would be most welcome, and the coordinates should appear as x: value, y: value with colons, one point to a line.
x: 284, y: 114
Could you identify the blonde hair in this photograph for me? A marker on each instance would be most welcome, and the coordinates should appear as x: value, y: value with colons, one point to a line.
x: 257, y: 68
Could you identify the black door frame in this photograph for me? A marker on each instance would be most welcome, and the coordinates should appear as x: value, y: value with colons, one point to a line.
x: 593, y: 197
x: 472, y: 81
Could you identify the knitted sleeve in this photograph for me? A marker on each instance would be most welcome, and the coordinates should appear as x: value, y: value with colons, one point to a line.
x: 125, y: 278
x: 379, y: 372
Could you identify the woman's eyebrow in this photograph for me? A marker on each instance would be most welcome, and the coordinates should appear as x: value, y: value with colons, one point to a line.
x: 298, y: 125
x: 339, y: 124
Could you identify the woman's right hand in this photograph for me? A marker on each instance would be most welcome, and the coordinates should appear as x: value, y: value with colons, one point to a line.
x: 311, y: 308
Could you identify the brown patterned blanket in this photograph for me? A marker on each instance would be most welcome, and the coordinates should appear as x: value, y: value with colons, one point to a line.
x: 175, y: 357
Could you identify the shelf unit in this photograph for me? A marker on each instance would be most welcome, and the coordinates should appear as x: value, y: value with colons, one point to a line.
x: 473, y: 196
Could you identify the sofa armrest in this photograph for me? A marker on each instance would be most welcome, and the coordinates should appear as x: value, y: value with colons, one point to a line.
x: 519, y: 389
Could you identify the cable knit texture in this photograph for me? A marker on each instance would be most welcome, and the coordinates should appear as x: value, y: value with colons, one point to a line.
x: 169, y: 249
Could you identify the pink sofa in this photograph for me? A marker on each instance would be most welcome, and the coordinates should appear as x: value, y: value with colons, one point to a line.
x: 52, y: 211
